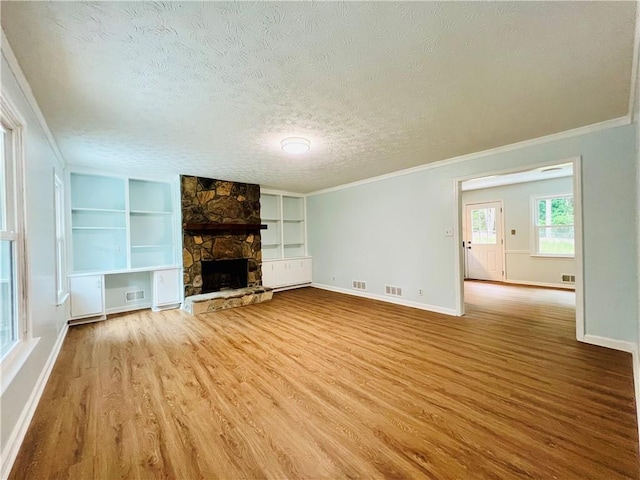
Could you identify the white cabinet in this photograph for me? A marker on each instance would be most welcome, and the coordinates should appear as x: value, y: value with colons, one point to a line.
x: 286, y: 273
x: 166, y: 288
x: 87, y: 296
x: 269, y: 274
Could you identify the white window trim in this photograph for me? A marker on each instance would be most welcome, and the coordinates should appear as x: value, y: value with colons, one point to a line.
x: 60, y: 245
x: 535, y: 248
x: 18, y: 354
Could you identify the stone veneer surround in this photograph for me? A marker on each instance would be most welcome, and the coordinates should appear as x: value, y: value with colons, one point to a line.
x: 205, y: 200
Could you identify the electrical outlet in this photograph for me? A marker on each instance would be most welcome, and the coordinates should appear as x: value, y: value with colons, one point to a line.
x: 448, y: 232
x: 420, y: 292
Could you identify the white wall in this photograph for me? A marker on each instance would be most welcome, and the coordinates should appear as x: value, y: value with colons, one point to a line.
x: 520, y: 266
x: 48, y: 320
x: 392, y: 231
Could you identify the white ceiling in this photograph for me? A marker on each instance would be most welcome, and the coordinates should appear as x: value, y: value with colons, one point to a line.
x: 209, y: 89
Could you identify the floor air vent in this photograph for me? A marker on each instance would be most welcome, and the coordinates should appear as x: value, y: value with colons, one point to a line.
x: 393, y: 291
x: 134, y: 296
x: 359, y: 285
x: 568, y: 279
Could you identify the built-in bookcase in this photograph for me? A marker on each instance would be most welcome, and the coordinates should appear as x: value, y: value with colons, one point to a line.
x: 124, y: 245
x: 293, y: 235
x: 151, y: 223
x: 121, y: 224
x: 98, y: 223
x: 285, y: 236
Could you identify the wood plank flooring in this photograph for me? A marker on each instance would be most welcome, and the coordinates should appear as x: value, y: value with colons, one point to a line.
x: 316, y: 385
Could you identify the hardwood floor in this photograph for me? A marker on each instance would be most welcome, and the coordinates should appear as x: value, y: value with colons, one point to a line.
x: 316, y: 384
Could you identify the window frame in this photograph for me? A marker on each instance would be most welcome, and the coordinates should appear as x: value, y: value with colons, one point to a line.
x: 15, y: 186
x: 60, y: 245
x: 535, y: 227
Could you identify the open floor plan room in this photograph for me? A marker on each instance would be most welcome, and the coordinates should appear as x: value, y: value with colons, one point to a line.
x: 316, y: 384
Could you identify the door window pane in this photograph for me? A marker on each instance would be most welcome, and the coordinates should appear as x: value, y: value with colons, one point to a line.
x: 483, y: 226
x: 8, y: 330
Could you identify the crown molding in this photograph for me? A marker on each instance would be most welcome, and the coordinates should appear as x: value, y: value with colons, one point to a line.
x: 633, y: 86
x: 7, y: 51
x: 575, y: 132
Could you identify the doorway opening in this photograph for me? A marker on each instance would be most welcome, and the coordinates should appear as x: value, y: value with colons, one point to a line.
x: 522, y: 226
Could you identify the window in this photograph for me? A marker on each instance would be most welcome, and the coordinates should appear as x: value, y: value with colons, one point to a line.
x: 9, y: 247
x: 553, y: 225
x: 61, y: 270
x: 483, y: 226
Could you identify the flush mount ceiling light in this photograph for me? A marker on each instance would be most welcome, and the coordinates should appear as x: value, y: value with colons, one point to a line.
x: 295, y: 145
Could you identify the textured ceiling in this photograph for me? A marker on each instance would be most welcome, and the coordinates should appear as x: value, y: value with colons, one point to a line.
x: 209, y: 89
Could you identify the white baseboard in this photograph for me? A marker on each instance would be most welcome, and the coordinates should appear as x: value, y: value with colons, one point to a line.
x: 636, y: 385
x: 10, y: 452
x: 384, y: 298
x: 290, y: 287
x: 610, y: 343
x: 541, y: 284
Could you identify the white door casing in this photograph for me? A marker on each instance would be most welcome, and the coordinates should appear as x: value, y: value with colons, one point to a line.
x: 483, y: 241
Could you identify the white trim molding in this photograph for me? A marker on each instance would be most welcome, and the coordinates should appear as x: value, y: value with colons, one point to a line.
x: 541, y: 284
x: 11, y: 448
x: 576, y: 132
x: 14, y: 65
x: 612, y: 343
x: 384, y: 298
x: 634, y: 69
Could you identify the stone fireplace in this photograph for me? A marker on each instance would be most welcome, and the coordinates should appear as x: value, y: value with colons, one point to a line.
x: 209, y: 202
x: 218, y: 275
x: 221, y: 243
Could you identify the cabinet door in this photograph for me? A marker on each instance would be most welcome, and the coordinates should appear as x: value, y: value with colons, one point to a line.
x: 268, y: 275
x: 86, y: 296
x: 166, y: 287
x: 281, y: 273
x: 293, y: 272
x: 306, y: 273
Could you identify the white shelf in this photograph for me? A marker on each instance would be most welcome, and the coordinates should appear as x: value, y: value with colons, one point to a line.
x: 270, y: 245
x: 149, y: 212
x: 98, y: 228
x: 106, y: 210
x: 293, y: 221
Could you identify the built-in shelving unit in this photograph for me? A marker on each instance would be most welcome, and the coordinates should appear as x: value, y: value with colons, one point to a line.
x: 270, y: 215
x: 123, y: 233
x: 284, y: 216
x: 151, y: 222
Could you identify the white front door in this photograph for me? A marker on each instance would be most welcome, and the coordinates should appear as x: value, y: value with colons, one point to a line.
x: 483, y: 241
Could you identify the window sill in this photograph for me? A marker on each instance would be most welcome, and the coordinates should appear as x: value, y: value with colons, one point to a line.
x: 550, y: 255
x: 14, y: 360
x: 62, y: 298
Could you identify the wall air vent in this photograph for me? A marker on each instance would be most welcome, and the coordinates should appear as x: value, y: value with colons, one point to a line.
x: 568, y: 279
x: 393, y: 291
x: 134, y: 296
x: 359, y: 285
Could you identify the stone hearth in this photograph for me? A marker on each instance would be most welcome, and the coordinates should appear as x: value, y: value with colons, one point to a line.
x: 212, y: 302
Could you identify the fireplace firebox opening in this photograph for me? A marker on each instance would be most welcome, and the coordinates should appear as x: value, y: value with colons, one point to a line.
x: 220, y: 275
